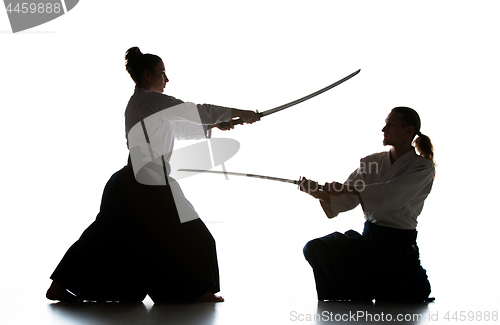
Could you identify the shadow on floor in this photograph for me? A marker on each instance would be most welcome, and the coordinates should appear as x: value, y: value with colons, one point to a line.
x: 271, y: 312
x: 371, y: 313
x: 127, y: 313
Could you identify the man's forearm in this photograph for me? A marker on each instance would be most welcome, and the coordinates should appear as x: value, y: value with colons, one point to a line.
x: 350, y: 189
x: 321, y: 195
x: 327, y: 208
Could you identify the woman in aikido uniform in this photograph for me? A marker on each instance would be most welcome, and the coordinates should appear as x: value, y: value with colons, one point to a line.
x: 141, y: 243
x: 383, y: 262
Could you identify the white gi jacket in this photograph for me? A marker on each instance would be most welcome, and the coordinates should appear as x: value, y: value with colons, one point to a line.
x: 391, y: 195
x: 165, y: 119
x: 181, y: 121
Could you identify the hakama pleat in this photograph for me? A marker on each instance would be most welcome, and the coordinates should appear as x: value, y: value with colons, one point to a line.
x: 383, y: 264
x: 137, y: 246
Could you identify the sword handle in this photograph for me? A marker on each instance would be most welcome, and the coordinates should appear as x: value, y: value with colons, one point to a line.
x: 239, y: 121
x: 320, y: 187
x: 236, y: 122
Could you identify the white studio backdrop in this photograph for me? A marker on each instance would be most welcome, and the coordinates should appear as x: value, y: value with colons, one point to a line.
x: 64, y: 90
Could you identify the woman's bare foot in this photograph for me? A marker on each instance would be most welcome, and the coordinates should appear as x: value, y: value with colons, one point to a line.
x: 209, y: 297
x: 58, y: 292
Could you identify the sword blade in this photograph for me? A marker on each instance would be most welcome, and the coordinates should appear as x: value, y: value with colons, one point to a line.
x: 300, y: 100
x: 284, y: 180
x: 241, y: 174
x: 314, y: 94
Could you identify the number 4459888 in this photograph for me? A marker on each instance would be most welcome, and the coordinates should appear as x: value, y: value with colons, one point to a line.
x: 41, y: 8
x: 472, y: 316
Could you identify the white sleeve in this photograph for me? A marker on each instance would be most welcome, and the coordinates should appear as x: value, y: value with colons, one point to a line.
x: 174, y: 109
x: 190, y: 131
x: 398, y: 191
x: 189, y: 121
x: 344, y: 202
x: 185, y: 112
x: 212, y: 114
x: 198, y: 114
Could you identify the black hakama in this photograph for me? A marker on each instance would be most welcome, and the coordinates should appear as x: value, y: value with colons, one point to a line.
x: 383, y: 264
x: 137, y: 246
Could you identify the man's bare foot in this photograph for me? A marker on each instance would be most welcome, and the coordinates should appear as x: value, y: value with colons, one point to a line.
x: 209, y: 297
x: 57, y: 292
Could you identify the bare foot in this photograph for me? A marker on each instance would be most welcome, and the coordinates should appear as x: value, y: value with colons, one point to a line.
x: 58, y: 292
x: 209, y: 297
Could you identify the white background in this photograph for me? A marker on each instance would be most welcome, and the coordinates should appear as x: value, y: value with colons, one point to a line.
x: 64, y: 89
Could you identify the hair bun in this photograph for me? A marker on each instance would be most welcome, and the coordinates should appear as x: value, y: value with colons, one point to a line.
x: 137, y: 63
x: 133, y: 54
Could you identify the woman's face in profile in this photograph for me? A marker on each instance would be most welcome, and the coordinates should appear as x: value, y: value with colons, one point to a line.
x: 158, y: 78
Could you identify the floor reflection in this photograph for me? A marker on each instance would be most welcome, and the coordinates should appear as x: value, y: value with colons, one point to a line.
x: 98, y: 313
x: 370, y: 313
x: 123, y: 313
x: 204, y: 313
x: 263, y: 307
